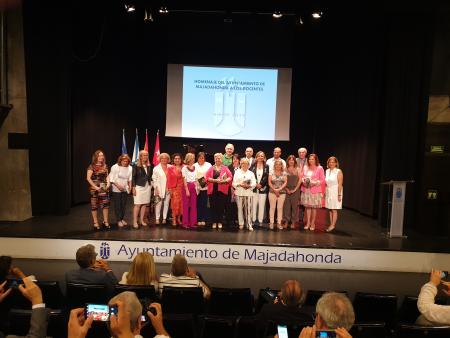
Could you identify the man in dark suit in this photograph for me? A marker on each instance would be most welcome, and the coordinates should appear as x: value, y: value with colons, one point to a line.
x: 286, y: 307
x: 91, y: 271
x: 39, y: 314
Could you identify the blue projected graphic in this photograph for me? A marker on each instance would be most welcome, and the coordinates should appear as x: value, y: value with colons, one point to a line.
x: 229, y: 103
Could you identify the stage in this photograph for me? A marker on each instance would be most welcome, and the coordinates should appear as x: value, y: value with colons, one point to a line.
x: 354, y: 231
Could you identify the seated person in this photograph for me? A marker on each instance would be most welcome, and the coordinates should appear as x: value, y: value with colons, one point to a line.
x: 142, y: 271
x: 182, y: 276
x: 431, y: 313
x: 334, y: 311
x: 127, y: 322
x: 286, y: 307
x: 39, y: 314
x: 91, y: 271
x: 7, y: 270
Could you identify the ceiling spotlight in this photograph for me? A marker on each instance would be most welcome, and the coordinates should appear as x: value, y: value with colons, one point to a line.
x: 148, y: 15
x: 316, y: 14
x: 163, y: 10
x: 129, y: 8
x: 277, y: 14
x: 300, y: 21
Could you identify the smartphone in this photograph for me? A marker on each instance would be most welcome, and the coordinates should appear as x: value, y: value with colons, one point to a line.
x: 282, y: 331
x: 100, y: 311
x: 444, y: 274
x: 13, y: 283
x: 325, y: 334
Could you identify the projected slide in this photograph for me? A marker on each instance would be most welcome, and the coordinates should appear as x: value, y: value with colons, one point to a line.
x: 227, y: 103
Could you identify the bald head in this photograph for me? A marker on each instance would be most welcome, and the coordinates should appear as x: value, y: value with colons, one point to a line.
x: 292, y: 293
x: 277, y: 152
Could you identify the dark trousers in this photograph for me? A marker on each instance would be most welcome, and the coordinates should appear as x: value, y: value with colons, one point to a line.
x: 217, y: 202
x: 119, y: 202
x: 231, y: 211
x: 202, y: 205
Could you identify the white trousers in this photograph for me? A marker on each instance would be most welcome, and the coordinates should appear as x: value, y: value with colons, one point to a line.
x: 259, y: 206
x: 166, y: 202
x: 278, y: 203
x: 244, y: 206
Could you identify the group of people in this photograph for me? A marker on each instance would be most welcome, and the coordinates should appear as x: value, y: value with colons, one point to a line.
x: 233, y: 187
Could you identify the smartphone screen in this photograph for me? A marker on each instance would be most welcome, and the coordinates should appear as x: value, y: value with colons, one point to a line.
x: 100, y: 311
x: 326, y: 334
x: 282, y: 331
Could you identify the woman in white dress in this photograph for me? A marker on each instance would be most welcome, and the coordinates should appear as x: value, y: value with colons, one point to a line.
x: 333, y: 193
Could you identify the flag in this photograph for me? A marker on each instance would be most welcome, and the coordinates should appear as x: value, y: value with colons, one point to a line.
x: 157, y: 150
x: 146, y: 141
x: 136, y: 149
x: 124, y: 144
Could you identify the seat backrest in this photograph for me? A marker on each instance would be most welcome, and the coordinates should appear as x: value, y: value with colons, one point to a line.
x: 181, y: 325
x: 373, y: 307
x: 408, y: 312
x: 217, y: 326
x: 265, y: 296
x: 182, y: 300
x: 417, y: 331
x: 145, y: 293
x: 247, y: 327
x: 368, y: 330
x: 231, y: 302
x: 312, y: 296
x: 51, y: 292
x: 80, y: 294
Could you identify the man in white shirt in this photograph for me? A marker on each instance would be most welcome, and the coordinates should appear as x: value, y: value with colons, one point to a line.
x: 249, y: 155
x: 431, y: 313
x: 276, y: 156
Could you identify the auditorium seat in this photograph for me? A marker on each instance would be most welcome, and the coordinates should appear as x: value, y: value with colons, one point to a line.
x: 265, y: 296
x: 417, y: 331
x: 145, y: 293
x: 182, y: 300
x: 372, y: 307
x: 408, y: 312
x: 368, y: 330
x: 231, y: 302
x: 217, y: 326
x: 52, y: 295
x: 312, y: 296
x: 247, y: 327
x: 80, y: 294
x: 181, y: 325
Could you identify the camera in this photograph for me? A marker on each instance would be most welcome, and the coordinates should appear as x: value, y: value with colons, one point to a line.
x: 325, y: 334
x: 100, y: 312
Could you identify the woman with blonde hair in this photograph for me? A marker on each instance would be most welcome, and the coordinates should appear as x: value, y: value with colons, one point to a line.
x: 311, y: 196
x: 161, y: 192
x: 140, y: 181
x: 98, y: 178
x: 142, y: 271
x: 120, y: 178
x: 333, y: 191
x: 189, y: 193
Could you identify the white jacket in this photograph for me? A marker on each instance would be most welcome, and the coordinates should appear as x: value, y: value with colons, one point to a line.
x: 240, y: 177
x: 160, y: 180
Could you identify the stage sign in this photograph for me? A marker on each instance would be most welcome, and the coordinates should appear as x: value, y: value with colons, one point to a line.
x: 236, y: 255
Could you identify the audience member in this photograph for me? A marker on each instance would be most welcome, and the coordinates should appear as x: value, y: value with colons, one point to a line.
x: 182, y: 276
x: 431, y: 313
x: 125, y: 324
x: 142, y: 271
x: 286, y: 308
x: 334, y: 311
x: 39, y: 313
x: 91, y: 271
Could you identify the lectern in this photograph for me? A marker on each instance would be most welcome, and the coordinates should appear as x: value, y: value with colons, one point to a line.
x: 396, y: 207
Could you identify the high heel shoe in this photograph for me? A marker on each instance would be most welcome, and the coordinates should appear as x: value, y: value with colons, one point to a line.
x: 306, y: 227
x: 96, y: 226
x: 106, y: 225
x: 312, y: 227
x: 330, y: 229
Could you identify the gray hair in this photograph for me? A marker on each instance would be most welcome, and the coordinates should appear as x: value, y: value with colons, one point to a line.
x: 336, y: 310
x: 132, y: 305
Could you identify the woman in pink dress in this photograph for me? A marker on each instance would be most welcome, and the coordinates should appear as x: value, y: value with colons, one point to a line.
x: 312, y: 194
x: 175, y: 183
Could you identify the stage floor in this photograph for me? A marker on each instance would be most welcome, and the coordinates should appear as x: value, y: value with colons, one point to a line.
x: 354, y: 231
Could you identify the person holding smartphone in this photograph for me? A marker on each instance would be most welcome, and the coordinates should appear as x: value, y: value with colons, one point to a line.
x: 431, y: 313
x: 334, y: 317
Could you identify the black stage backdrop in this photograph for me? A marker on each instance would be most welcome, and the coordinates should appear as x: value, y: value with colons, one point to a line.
x: 360, y: 82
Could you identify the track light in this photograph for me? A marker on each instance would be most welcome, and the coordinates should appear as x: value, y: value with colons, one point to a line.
x: 299, y: 21
x: 277, y: 14
x: 129, y: 8
x: 148, y: 15
x: 316, y: 15
x: 163, y: 10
